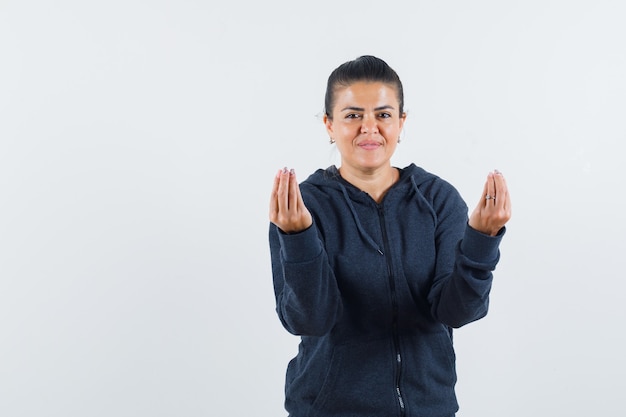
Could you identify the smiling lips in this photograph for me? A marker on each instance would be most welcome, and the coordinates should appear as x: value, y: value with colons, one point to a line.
x: 369, y: 145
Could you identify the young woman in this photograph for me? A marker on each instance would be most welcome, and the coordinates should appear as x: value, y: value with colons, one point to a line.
x: 373, y: 265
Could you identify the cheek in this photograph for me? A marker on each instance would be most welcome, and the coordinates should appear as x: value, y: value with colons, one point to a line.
x: 348, y: 129
x: 391, y: 131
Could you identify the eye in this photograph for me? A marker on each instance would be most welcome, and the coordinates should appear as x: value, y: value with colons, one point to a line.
x: 384, y: 115
x: 353, y: 116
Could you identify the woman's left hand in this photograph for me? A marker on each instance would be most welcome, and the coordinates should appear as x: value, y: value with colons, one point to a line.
x: 494, y: 207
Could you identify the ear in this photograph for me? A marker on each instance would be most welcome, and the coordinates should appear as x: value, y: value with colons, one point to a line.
x: 329, y: 125
x: 402, y: 120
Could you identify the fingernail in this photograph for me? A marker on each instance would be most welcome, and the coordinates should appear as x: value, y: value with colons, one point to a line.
x: 284, y: 170
x: 495, y: 171
x: 292, y: 171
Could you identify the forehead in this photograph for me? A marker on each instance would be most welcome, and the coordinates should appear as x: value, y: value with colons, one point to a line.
x: 363, y: 93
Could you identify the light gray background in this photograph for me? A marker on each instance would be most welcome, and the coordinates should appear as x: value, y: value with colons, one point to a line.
x: 138, y: 142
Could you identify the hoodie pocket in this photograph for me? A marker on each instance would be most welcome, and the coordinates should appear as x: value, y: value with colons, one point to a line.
x: 430, y: 375
x: 360, y: 381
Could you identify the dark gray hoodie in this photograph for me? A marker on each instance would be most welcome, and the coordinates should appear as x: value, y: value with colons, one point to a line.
x: 374, y: 291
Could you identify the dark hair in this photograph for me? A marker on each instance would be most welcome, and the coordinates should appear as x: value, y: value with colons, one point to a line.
x: 365, y: 68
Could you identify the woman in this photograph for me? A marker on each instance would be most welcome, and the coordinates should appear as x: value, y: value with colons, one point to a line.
x: 373, y: 265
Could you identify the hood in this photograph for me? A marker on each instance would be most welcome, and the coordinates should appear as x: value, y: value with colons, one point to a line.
x: 411, y: 177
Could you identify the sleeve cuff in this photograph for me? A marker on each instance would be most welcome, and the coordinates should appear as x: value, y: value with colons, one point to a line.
x: 300, y: 247
x: 480, y: 247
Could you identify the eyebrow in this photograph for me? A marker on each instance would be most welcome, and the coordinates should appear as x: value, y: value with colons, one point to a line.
x: 385, y: 107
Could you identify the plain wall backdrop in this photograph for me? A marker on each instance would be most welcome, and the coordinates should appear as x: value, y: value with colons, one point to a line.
x: 139, y: 140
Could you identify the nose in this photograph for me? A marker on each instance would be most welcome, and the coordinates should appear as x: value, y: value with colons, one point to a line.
x: 369, y: 125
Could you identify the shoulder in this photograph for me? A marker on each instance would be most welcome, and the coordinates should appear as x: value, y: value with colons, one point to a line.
x: 433, y: 188
x: 426, y: 180
x: 323, y: 175
x: 321, y: 180
x: 321, y: 187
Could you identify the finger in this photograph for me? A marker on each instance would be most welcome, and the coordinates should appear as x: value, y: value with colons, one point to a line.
x: 490, y: 194
x: 291, y: 189
x: 283, y: 190
x: 507, y: 202
x: 481, y: 201
x: 501, y: 190
x: 294, y: 190
x: 274, y: 196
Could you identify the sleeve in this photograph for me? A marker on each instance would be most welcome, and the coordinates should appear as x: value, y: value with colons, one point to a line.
x: 308, y: 301
x: 464, y: 265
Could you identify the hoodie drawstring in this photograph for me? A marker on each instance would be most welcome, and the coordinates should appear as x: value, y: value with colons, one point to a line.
x: 362, y: 231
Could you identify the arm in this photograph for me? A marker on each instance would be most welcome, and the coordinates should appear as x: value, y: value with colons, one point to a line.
x: 307, y: 297
x: 462, y: 296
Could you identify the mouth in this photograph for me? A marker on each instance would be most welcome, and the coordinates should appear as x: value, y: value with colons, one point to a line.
x: 369, y: 145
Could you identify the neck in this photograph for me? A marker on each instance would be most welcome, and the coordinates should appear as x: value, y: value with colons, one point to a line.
x: 376, y: 183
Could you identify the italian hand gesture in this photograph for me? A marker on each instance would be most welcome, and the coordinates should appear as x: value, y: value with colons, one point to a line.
x: 287, y: 209
x: 494, y: 207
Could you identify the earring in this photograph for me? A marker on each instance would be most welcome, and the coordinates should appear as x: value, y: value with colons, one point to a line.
x: 332, y: 141
x: 398, y: 139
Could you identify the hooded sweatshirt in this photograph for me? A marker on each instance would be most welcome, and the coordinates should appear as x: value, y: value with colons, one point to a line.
x: 374, y: 290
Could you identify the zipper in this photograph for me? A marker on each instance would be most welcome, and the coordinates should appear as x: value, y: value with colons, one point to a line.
x: 394, y: 312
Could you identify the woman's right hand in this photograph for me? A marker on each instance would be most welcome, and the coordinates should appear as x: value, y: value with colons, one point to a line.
x: 287, y: 209
x: 494, y: 206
